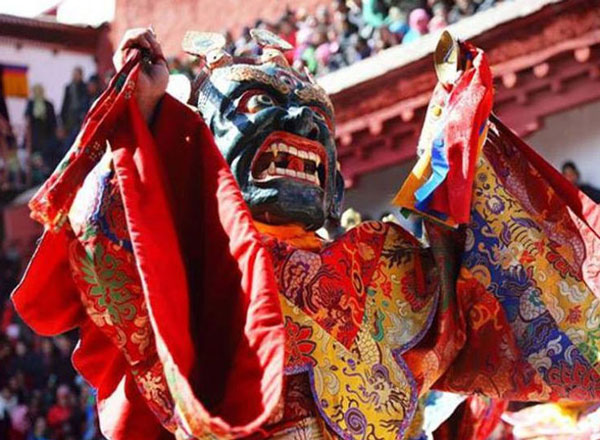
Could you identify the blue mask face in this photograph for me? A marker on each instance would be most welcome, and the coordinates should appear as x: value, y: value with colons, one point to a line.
x: 275, y: 131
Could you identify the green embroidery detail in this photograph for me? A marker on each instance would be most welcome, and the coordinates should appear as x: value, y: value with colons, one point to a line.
x: 101, y: 271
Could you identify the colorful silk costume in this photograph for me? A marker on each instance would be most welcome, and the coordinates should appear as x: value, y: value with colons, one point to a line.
x: 159, y: 265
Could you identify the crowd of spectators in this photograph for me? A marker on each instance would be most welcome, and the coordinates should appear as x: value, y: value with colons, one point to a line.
x: 338, y: 34
x: 345, y: 31
x: 41, y: 395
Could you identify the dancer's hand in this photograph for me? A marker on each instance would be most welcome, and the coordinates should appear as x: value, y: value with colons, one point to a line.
x: 154, y: 76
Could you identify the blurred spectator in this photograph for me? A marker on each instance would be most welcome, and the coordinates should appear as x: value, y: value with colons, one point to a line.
x: 374, y: 13
x: 355, y: 15
x: 61, y: 412
x: 7, y: 403
x: 383, y: 39
x: 309, y: 58
x: 305, y: 36
x: 59, y: 147
x: 340, y: 7
x: 418, y: 21
x: 440, y: 16
x: 571, y: 173
x: 461, y: 9
x: 41, y: 396
x: 398, y: 25
x: 39, y: 430
x: 287, y: 31
x: 11, y: 171
x: 361, y: 50
x: 19, y: 418
x: 75, y: 102
x: 325, y: 47
x: 322, y: 15
x: 87, y: 406
x: 41, y: 128
x: 94, y: 88
x: 351, y: 30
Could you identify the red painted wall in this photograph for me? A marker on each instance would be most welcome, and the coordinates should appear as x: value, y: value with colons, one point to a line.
x: 20, y: 231
x: 171, y: 18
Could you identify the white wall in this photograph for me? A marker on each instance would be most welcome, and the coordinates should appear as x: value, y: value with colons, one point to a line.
x: 52, y: 70
x: 94, y: 13
x: 374, y: 191
x: 572, y: 135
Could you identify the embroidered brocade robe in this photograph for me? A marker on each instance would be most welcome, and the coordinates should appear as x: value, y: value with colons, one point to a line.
x: 183, y: 317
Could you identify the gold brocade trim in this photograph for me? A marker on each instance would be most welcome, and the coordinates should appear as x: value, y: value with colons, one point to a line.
x: 308, y: 428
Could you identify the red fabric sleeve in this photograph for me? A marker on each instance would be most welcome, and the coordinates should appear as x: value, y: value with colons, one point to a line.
x: 47, y: 298
x: 125, y: 415
x: 122, y: 411
x: 208, y: 281
x: 573, y: 197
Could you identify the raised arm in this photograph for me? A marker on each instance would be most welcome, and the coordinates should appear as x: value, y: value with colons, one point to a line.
x: 521, y: 309
x: 153, y: 79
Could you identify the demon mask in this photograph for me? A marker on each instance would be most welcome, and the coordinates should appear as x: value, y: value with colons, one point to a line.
x: 275, y: 128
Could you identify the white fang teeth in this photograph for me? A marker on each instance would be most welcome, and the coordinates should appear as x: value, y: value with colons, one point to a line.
x: 338, y: 166
x: 273, y: 170
x: 277, y: 148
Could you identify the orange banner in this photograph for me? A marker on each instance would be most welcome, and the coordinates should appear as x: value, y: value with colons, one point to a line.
x: 14, y: 81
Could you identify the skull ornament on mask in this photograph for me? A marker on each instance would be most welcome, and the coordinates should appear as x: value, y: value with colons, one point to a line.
x: 275, y: 128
